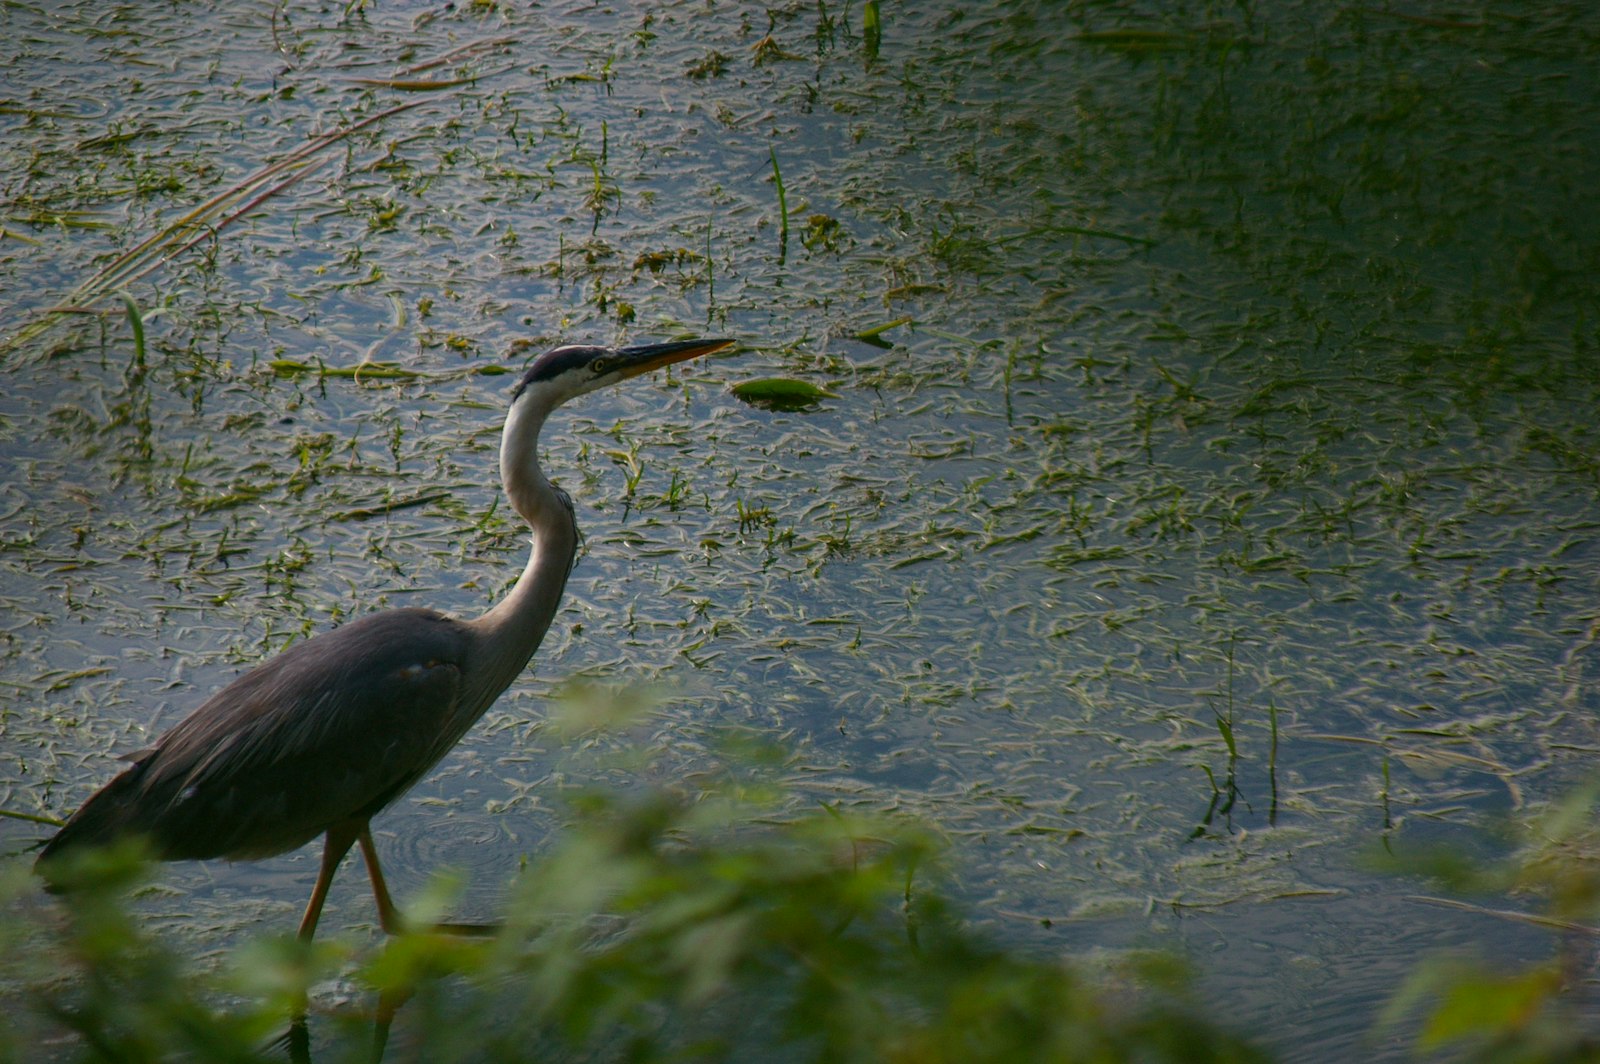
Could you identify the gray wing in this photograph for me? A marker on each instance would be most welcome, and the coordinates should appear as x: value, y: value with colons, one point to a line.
x: 332, y: 729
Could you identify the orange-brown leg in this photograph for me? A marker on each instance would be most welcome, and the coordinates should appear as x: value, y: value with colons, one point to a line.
x: 340, y: 836
x: 388, y: 915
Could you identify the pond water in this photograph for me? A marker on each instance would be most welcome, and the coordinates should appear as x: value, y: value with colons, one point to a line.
x: 1242, y: 370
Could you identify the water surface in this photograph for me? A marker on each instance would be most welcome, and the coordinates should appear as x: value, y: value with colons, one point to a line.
x: 1249, y: 376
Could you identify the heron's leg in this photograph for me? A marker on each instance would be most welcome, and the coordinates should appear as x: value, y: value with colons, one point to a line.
x: 389, y: 1002
x: 388, y: 915
x: 340, y: 836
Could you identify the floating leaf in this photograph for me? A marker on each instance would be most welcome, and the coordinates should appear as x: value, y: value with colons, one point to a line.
x: 412, y: 84
x: 781, y: 393
x: 288, y: 367
x: 366, y: 513
x: 874, y: 335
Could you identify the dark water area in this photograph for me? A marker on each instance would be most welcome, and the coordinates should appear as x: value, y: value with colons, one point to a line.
x: 1246, y: 373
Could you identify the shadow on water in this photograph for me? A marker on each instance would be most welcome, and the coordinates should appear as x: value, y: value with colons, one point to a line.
x: 1200, y: 487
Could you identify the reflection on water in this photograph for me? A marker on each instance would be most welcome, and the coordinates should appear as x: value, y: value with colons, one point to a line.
x: 1248, y: 399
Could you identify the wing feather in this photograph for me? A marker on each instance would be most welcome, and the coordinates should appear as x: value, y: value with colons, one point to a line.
x: 333, y: 728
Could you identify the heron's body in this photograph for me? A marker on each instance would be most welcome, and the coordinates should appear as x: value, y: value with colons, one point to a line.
x: 258, y: 769
x: 322, y: 737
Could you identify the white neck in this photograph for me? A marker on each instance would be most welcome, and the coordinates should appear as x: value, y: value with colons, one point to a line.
x: 511, y: 631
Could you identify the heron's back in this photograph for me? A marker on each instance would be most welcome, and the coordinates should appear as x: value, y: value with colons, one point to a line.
x: 331, y: 730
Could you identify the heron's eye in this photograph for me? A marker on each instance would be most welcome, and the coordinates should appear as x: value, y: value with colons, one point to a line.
x: 600, y: 366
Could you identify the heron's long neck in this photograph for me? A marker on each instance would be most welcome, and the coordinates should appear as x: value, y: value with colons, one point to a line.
x: 512, y: 630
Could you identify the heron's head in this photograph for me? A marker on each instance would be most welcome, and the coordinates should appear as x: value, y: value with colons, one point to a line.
x: 573, y: 370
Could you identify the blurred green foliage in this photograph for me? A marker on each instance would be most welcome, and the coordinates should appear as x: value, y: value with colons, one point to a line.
x: 715, y: 922
x: 1475, y: 1009
x: 714, y: 926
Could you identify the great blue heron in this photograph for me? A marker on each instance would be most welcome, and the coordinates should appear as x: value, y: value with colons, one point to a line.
x: 322, y: 737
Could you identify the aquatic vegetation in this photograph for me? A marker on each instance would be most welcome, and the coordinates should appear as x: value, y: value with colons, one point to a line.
x: 1210, y: 439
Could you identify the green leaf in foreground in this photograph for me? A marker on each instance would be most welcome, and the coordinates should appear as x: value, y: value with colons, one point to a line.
x: 653, y: 926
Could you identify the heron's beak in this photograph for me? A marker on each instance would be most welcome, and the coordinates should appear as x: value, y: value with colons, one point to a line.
x: 636, y: 360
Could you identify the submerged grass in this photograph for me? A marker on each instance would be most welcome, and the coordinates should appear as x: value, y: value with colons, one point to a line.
x: 201, y: 223
x: 208, y: 220
x: 783, y: 206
